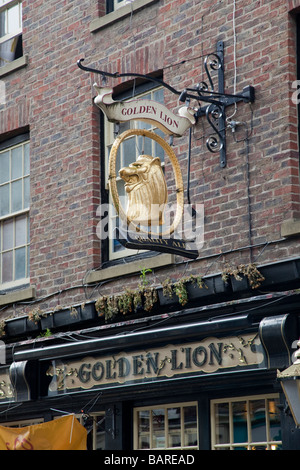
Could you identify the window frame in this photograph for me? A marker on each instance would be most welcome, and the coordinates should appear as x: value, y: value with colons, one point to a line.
x: 9, y: 146
x: 249, y: 444
x: 109, y: 133
x: 16, y: 34
x: 165, y: 406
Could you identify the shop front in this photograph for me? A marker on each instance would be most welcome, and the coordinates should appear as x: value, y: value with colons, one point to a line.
x: 177, y: 382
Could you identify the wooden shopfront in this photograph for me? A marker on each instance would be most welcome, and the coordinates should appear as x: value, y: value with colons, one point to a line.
x: 172, y: 381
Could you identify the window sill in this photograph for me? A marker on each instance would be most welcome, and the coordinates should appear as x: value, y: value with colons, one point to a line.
x: 134, y: 267
x: 17, y: 295
x: 13, y: 66
x: 290, y: 228
x: 120, y: 14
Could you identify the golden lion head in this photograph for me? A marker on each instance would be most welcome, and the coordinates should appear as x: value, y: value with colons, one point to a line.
x: 146, y: 190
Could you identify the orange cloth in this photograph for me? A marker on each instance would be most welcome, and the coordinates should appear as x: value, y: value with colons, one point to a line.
x: 64, y: 433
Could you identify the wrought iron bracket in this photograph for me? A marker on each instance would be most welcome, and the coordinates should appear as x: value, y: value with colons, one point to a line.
x: 217, y: 101
x: 212, y: 103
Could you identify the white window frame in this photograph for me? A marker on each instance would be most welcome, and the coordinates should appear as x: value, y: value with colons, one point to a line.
x: 249, y: 445
x: 5, y: 6
x: 13, y: 216
x: 165, y: 407
x: 109, y: 130
x: 94, y: 428
x: 23, y: 423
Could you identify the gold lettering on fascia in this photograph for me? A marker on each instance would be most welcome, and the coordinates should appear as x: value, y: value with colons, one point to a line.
x: 207, y: 356
x: 6, y: 389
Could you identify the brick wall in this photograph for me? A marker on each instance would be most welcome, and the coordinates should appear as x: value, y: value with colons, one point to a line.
x: 53, y: 98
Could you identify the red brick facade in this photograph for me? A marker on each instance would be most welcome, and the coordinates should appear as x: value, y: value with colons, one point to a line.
x: 53, y: 99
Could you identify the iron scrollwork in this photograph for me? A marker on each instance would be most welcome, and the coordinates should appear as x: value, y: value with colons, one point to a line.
x: 212, y: 103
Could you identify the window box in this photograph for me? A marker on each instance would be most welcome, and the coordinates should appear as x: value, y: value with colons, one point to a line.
x: 74, y: 315
x: 21, y: 326
x: 212, y: 285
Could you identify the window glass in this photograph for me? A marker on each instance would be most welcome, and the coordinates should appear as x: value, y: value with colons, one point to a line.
x: 128, y: 151
x: 10, y: 31
x: 248, y: 423
x: 166, y: 427
x: 14, y: 214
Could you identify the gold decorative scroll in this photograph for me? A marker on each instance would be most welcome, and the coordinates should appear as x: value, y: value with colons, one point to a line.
x: 6, y: 389
x: 149, y: 111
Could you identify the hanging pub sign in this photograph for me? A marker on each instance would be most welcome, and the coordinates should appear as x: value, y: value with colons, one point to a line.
x: 147, y: 218
x: 145, y: 110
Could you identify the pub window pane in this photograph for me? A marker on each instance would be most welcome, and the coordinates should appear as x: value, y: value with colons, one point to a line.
x: 26, y: 192
x: 239, y: 412
x: 8, y: 235
x: 14, y: 215
x: 4, y: 167
x: 128, y: 151
x: 26, y: 159
x: 4, y: 200
x: 16, y: 163
x: 158, y: 424
x: 13, y: 19
x: 274, y: 417
x: 7, y: 266
x: 174, y: 427
x: 21, y: 231
x: 16, y: 196
x: 258, y: 420
x: 222, y: 423
x: 144, y: 429
x: 20, y: 263
x: 246, y: 424
x: 166, y: 427
x: 190, y: 426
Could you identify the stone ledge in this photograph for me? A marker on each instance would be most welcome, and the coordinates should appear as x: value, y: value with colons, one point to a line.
x: 17, y: 295
x: 14, y: 65
x: 119, y: 14
x: 129, y: 268
x: 290, y: 228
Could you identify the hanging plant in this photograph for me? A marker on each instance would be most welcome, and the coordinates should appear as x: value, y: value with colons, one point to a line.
x: 250, y: 271
x: 181, y: 291
x: 167, y: 288
x: 150, y: 298
x: 101, y: 306
x: 35, y: 315
x: 2, y: 328
x: 125, y: 302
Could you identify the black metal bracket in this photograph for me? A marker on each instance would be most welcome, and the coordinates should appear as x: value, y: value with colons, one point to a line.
x: 217, y: 101
x: 212, y: 104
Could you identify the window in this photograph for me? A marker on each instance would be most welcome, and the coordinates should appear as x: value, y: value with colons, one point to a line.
x: 247, y: 423
x: 113, y: 5
x: 14, y: 215
x: 129, y: 150
x: 172, y: 426
x: 10, y: 31
x: 95, y: 426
